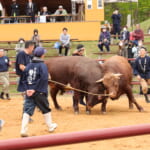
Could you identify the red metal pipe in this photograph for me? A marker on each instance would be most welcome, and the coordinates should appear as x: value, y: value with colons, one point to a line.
x: 74, y: 137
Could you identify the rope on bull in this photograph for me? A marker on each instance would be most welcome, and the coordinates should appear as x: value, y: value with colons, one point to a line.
x: 75, y: 89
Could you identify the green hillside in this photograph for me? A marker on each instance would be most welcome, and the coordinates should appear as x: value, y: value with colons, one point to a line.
x: 140, y: 11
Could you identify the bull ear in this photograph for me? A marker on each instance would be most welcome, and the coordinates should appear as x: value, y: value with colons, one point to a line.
x: 117, y: 75
x: 101, y: 80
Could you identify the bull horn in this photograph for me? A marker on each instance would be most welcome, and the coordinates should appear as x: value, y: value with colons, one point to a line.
x: 117, y: 74
x: 101, y: 80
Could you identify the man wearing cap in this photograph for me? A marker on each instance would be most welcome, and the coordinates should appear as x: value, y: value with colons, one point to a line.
x: 142, y: 71
x: 35, y: 83
x: 60, y: 11
x: 104, y: 39
x: 4, y: 74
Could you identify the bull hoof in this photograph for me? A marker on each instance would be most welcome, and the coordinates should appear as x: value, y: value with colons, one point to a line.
x: 103, y: 112
x: 76, y: 112
x: 88, y: 112
x: 141, y: 110
x: 59, y: 108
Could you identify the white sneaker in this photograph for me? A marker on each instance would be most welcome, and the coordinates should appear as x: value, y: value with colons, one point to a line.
x: 23, y: 134
x: 53, y: 127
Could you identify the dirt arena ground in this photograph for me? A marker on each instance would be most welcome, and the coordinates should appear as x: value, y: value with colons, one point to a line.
x: 117, y: 114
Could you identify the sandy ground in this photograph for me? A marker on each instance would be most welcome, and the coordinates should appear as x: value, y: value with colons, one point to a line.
x: 117, y: 115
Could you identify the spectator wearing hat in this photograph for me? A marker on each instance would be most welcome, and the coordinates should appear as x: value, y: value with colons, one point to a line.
x: 65, y: 42
x: 35, y: 83
x: 79, y: 50
x: 36, y: 38
x: 142, y: 71
x: 5, y: 63
x: 61, y: 12
x: 104, y: 39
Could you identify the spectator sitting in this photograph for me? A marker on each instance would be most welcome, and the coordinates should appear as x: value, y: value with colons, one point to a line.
x: 136, y: 48
x: 65, y: 42
x: 20, y: 45
x: 138, y: 34
x: 36, y: 38
x: 104, y: 39
x: 60, y: 11
x: 45, y: 12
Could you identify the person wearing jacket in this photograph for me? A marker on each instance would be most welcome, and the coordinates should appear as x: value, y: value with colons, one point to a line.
x: 35, y: 83
x: 104, y: 39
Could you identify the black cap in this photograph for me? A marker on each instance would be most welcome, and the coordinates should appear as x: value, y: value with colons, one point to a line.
x: 79, y: 47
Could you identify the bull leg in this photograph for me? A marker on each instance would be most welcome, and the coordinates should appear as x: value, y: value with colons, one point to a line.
x: 132, y: 99
x: 53, y: 91
x: 146, y: 98
x: 103, y: 106
x: 76, y: 99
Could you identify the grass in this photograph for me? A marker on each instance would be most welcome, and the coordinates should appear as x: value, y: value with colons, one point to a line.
x: 91, y: 47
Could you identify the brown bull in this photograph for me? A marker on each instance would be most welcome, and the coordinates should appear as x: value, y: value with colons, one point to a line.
x: 117, y: 79
x: 81, y: 73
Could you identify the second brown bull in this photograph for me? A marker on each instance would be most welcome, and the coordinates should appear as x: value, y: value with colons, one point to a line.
x: 81, y: 73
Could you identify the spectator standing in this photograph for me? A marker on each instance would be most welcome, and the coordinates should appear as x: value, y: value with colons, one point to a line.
x: 4, y: 74
x: 104, y: 39
x: 60, y: 11
x: 31, y: 10
x: 36, y: 38
x: 116, y: 20
x: 142, y: 71
x: 20, y: 45
x: 65, y: 42
x: 138, y: 34
x: 36, y: 87
x: 15, y: 10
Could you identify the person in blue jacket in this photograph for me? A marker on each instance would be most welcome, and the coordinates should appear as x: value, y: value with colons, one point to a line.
x: 35, y: 83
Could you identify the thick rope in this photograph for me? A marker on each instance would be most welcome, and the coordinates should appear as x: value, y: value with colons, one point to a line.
x: 75, y: 89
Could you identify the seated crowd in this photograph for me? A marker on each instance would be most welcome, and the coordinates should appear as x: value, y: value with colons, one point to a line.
x: 31, y: 11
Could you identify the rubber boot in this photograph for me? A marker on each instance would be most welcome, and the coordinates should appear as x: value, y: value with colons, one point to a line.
x: 7, y: 96
x: 48, y: 121
x: 2, y: 95
x: 146, y: 98
x: 25, y: 121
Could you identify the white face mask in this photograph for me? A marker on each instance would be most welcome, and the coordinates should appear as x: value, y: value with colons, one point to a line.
x: 124, y: 29
x: 21, y: 41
